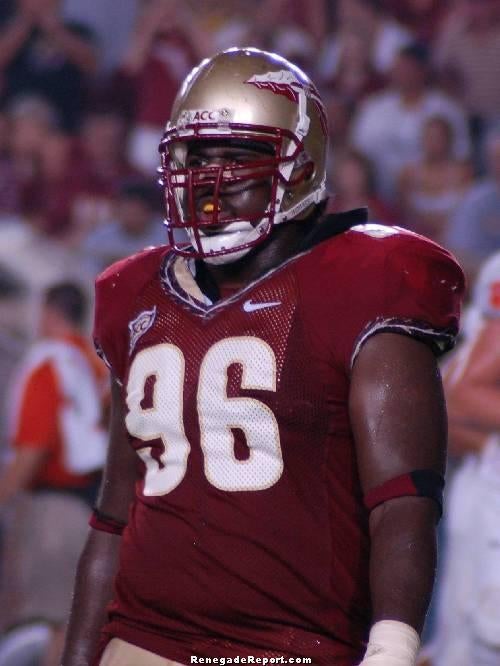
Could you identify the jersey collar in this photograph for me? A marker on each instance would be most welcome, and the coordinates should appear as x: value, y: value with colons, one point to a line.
x: 190, y: 281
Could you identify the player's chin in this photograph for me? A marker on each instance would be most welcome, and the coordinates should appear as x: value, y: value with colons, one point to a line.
x: 224, y: 229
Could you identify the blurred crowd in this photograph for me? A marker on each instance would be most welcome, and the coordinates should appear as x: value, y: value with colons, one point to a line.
x: 412, y: 94
x: 85, y: 89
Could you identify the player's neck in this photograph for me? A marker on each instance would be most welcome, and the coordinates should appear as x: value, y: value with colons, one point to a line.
x: 284, y: 243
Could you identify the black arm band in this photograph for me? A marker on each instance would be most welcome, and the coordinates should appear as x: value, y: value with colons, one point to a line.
x: 419, y: 483
x: 103, y: 523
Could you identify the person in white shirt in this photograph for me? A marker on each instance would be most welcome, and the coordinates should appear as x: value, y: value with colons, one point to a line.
x: 365, y: 18
x: 468, y: 604
x: 388, y: 126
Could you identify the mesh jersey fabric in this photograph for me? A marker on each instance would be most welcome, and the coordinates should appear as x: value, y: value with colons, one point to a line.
x: 248, y: 533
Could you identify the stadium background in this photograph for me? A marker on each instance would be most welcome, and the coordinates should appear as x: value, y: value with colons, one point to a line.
x: 411, y: 88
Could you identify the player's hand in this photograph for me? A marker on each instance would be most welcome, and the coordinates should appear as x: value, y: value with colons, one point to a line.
x: 391, y: 643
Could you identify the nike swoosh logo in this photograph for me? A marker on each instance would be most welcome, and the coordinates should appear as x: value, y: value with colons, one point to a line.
x: 248, y: 306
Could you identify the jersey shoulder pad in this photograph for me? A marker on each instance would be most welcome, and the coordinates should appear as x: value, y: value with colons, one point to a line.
x: 422, y: 290
x: 133, y: 269
x: 424, y: 267
x: 381, y: 239
x: 397, y: 250
x: 368, y: 241
x: 389, y: 279
x: 116, y: 289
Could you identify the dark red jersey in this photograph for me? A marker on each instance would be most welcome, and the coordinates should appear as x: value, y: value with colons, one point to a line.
x: 248, y: 534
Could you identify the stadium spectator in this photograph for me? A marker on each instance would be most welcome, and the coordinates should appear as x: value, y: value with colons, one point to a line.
x: 9, y: 186
x: 388, y: 126
x: 422, y: 17
x: 474, y: 230
x: 137, y: 224
x: 225, y: 23
x: 432, y: 188
x: 30, y: 120
x: 161, y: 52
x: 12, y: 342
x: 295, y: 43
x: 338, y: 112
x: 288, y: 27
x: 353, y: 186
x: 48, y: 195
x: 382, y: 34
x: 40, y: 54
x: 468, y: 626
x: 355, y: 77
x: 74, y: 179
x: 102, y: 17
x: 312, y: 17
x: 103, y: 161
x: 467, y: 53
x: 36, y: 261
x: 58, y: 444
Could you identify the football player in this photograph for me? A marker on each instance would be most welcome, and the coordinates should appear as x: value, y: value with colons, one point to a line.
x: 278, y: 435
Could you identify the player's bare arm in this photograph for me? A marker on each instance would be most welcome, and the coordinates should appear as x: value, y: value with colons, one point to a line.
x: 399, y: 421
x: 98, y: 563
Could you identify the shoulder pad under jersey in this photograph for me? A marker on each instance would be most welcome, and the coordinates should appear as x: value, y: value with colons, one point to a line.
x: 380, y: 278
x: 116, y: 289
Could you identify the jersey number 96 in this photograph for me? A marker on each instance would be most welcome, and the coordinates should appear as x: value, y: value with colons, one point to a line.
x: 218, y: 415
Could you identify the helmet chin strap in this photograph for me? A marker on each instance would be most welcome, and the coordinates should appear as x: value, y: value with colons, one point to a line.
x: 229, y: 239
x: 314, y: 197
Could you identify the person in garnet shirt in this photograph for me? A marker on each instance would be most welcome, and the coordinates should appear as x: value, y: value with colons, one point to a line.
x: 40, y: 54
x: 278, y: 437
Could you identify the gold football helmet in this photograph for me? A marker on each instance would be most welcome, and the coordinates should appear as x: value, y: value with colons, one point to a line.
x: 250, y: 96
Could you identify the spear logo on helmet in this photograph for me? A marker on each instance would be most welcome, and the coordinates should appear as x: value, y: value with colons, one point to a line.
x: 286, y: 83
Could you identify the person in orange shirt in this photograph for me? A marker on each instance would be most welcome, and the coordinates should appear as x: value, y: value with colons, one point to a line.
x: 58, y: 448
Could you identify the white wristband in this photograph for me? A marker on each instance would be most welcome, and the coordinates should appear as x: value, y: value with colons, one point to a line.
x: 391, y: 643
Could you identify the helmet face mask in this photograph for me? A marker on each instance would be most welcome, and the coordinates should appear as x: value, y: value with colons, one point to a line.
x: 273, y: 154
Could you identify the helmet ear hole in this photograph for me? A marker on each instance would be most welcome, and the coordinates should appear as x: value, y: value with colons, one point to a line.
x: 303, y: 173
x: 309, y: 171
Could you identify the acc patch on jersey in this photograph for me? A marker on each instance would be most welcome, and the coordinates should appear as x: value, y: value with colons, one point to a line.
x: 139, y: 326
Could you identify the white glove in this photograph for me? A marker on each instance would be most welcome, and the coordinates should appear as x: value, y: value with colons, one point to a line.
x: 391, y: 643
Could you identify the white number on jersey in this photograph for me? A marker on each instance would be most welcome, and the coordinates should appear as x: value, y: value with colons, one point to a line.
x: 217, y: 413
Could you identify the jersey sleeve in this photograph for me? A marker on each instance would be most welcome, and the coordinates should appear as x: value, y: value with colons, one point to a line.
x: 36, y: 419
x: 415, y: 288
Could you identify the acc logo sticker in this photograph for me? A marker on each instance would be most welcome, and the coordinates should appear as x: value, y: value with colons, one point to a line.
x: 189, y: 116
x: 139, y: 326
